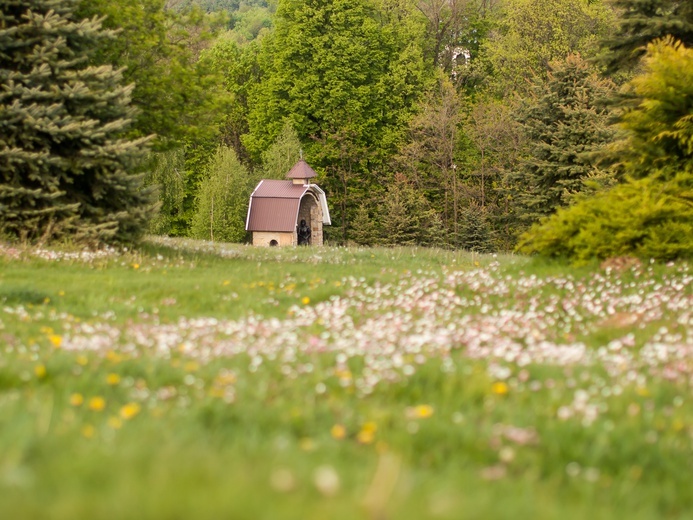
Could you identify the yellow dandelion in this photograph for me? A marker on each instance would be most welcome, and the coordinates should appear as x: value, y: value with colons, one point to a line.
x: 225, y: 282
x: 365, y: 437
x: 40, y: 371
x: 642, y: 391
x: 61, y: 293
x: 55, y: 340
x: 97, y: 404
x: 305, y: 300
x: 88, y: 431
x: 113, y: 357
x: 46, y: 300
x: 370, y: 427
x: 338, y: 432
x: 191, y: 366
x: 135, y: 266
x: 114, y: 422
x: 129, y: 410
x: 499, y: 388
x: 422, y: 411
x: 82, y: 360
x: 113, y: 379
x: 76, y: 399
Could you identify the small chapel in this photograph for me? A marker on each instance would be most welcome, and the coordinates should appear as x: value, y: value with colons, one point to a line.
x: 290, y: 212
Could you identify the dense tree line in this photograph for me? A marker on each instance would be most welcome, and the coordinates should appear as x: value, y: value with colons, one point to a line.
x: 477, y: 124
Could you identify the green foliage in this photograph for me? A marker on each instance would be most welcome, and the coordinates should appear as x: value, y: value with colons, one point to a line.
x: 659, y: 127
x: 407, y: 217
x: 238, y: 71
x: 564, y: 127
x: 492, y: 143
x: 647, y: 218
x: 641, y: 22
x: 279, y: 158
x: 454, y: 31
x: 178, y: 96
x: 210, y: 6
x: 222, y: 203
x: 249, y: 23
x: 168, y: 175
x: 346, y: 76
x: 364, y: 228
x: 65, y: 167
x: 475, y: 231
x: 531, y: 34
x: 429, y: 154
x: 651, y: 214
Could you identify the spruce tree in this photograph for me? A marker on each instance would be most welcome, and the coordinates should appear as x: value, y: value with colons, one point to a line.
x: 408, y: 218
x: 65, y: 169
x: 563, y: 127
x: 364, y: 228
x: 475, y: 233
x: 642, y: 22
x: 649, y: 214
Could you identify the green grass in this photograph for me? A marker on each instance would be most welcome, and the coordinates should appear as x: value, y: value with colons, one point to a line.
x: 192, y: 380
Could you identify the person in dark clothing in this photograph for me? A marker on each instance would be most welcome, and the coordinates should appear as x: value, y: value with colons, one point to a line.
x: 303, y: 234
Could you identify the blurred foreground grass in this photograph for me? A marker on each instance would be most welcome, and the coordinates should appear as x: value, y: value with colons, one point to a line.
x: 194, y: 380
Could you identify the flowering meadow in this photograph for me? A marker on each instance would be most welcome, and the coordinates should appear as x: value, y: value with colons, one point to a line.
x: 188, y: 379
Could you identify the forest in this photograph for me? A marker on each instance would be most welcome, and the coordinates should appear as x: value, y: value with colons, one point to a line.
x: 559, y: 127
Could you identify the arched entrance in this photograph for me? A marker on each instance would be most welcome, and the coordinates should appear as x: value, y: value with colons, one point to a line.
x: 309, y: 215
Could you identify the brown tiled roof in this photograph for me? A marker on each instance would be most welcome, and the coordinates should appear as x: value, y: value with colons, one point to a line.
x: 279, y: 190
x: 273, y: 214
x: 274, y: 206
x: 301, y: 170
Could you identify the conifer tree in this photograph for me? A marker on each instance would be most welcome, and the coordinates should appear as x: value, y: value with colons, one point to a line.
x: 649, y: 214
x: 659, y: 124
x: 65, y: 169
x: 475, y: 232
x: 408, y: 218
x: 364, y: 229
x: 564, y: 127
x: 642, y: 22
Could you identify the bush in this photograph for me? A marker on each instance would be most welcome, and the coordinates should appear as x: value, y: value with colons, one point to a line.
x: 646, y: 218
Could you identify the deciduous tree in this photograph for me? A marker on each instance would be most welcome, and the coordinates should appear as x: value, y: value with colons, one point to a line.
x: 222, y: 203
x: 347, y: 77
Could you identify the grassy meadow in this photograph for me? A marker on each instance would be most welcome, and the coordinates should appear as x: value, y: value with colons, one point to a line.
x: 195, y: 380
